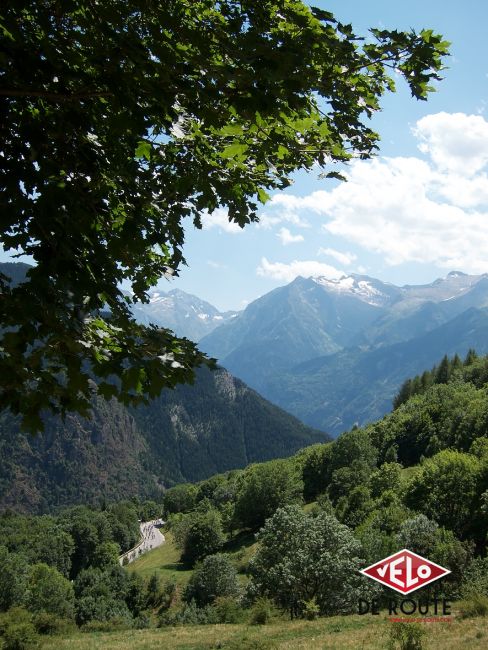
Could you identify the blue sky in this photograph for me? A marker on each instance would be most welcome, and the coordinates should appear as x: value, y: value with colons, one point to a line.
x: 416, y: 212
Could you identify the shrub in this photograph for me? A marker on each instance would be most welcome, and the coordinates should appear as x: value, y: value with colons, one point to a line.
x: 189, y: 614
x: 170, y: 595
x: 228, y: 610
x: 17, y: 631
x: 243, y: 643
x: 142, y: 621
x: 214, y: 577
x: 475, y: 578
x: 47, y: 623
x: 19, y: 636
x: 311, y: 609
x: 261, y: 612
x: 112, y: 625
x: 406, y: 636
x: 474, y: 605
x: 101, y: 609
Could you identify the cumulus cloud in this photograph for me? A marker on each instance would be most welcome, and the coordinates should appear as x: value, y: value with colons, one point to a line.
x: 290, y: 271
x: 220, y: 219
x: 287, y: 238
x: 343, y: 258
x: 268, y: 220
x: 454, y: 141
x: 408, y: 209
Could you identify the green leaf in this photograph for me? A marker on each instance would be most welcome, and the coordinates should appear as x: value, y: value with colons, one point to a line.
x: 246, y: 98
x: 263, y: 196
x: 234, y: 150
x: 337, y: 175
x: 144, y: 150
x: 231, y: 129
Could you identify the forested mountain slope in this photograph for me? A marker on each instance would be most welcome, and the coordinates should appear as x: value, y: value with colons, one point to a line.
x: 357, y: 385
x: 186, y: 434
x: 416, y: 479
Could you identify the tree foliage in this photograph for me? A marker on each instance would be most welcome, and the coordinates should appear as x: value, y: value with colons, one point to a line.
x: 447, y: 489
x: 264, y: 489
x: 215, y: 577
x: 14, y: 577
x: 123, y: 122
x: 303, y: 557
x: 202, y: 535
x: 50, y: 592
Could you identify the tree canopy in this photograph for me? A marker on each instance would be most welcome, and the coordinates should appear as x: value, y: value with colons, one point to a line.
x: 303, y: 558
x: 124, y: 122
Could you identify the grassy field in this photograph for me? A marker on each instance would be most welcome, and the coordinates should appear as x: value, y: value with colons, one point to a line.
x: 165, y: 560
x: 335, y: 633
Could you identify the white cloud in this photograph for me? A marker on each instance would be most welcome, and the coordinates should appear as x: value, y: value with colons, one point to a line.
x: 412, y: 210
x: 267, y: 220
x: 288, y: 272
x: 220, y: 219
x: 342, y: 258
x: 463, y: 191
x: 454, y: 141
x: 287, y: 238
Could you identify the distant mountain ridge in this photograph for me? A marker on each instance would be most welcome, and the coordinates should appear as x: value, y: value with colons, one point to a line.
x: 334, y: 352
x: 181, y: 312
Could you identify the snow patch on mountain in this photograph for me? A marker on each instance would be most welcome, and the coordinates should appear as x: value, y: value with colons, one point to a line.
x: 362, y: 289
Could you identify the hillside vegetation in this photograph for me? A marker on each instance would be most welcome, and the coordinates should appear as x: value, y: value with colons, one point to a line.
x: 277, y: 540
x: 186, y: 434
x: 335, y: 633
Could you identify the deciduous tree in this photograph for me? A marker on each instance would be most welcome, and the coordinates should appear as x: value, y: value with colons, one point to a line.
x: 303, y: 557
x: 123, y: 123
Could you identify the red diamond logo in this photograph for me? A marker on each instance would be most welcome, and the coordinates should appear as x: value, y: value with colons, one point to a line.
x: 405, y: 571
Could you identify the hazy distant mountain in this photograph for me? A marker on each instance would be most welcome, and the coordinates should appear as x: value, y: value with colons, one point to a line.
x: 334, y: 352
x: 358, y: 385
x: 422, y: 308
x: 14, y: 271
x: 181, y: 312
x: 177, y: 310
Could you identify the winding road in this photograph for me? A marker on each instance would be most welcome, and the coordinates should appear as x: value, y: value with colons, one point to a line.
x: 151, y: 537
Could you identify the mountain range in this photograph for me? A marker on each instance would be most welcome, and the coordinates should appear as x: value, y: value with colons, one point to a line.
x: 330, y: 352
x: 181, y: 312
x: 334, y: 352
